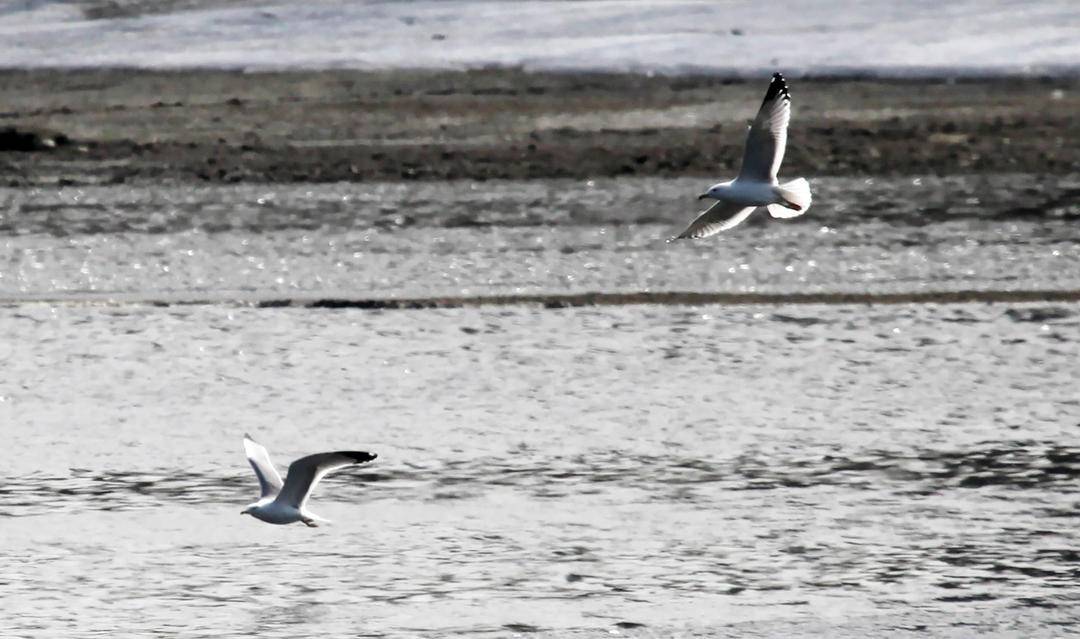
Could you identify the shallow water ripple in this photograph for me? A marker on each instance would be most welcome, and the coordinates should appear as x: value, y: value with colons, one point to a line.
x: 899, y: 234
x: 643, y: 470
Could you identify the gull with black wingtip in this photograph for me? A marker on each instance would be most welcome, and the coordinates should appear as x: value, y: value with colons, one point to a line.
x: 284, y: 502
x: 756, y: 184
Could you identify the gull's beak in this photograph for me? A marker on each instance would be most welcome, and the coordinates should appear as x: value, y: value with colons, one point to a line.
x: 704, y: 196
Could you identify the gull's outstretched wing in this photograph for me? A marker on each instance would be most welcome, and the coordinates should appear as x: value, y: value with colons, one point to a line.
x: 306, y: 472
x: 768, y: 134
x: 719, y: 217
x: 269, y: 479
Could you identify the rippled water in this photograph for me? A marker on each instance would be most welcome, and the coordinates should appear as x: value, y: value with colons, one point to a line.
x: 812, y: 470
x: 902, y: 234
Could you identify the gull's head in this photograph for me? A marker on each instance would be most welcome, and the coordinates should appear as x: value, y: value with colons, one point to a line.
x: 715, y: 192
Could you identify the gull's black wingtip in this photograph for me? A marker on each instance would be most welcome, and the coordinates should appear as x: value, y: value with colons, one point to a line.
x: 359, y: 456
x: 777, y: 88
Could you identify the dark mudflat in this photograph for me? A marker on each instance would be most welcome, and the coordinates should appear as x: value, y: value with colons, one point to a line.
x: 114, y: 126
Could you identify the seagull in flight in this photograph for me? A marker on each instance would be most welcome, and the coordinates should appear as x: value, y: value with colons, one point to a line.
x: 756, y: 184
x: 283, y: 503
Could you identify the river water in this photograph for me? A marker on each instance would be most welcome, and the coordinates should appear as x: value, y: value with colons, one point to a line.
x: 626, y: 470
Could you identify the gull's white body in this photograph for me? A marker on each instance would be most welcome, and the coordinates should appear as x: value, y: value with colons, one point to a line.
x: 756, y: 184
x: 285, y: 502
x: 270, y: 511
x: 747, y: 193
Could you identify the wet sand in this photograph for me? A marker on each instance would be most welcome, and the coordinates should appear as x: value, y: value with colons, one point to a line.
x: 119, y: 126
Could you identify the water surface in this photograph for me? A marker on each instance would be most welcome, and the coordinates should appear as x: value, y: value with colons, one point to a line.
x: 1015, y: 232
x: 710, y: 470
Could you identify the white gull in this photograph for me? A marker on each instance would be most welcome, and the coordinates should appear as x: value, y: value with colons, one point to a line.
x: 756, y: 184
x: 283, y: 503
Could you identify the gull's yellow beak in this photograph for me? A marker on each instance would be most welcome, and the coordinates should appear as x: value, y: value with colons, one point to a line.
x: 704, y: 196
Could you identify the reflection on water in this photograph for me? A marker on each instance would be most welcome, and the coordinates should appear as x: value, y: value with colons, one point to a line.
x: 821, y: 470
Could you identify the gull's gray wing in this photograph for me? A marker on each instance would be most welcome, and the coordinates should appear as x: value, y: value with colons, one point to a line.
x: 306, y: 472
x: 767, y: 138
x: 718, y: 217
x: 269, y: 479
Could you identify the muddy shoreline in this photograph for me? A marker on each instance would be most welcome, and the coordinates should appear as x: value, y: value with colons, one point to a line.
x: 118, y: 126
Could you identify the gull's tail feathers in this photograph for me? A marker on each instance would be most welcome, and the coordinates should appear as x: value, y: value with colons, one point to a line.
x: 796, y: 195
